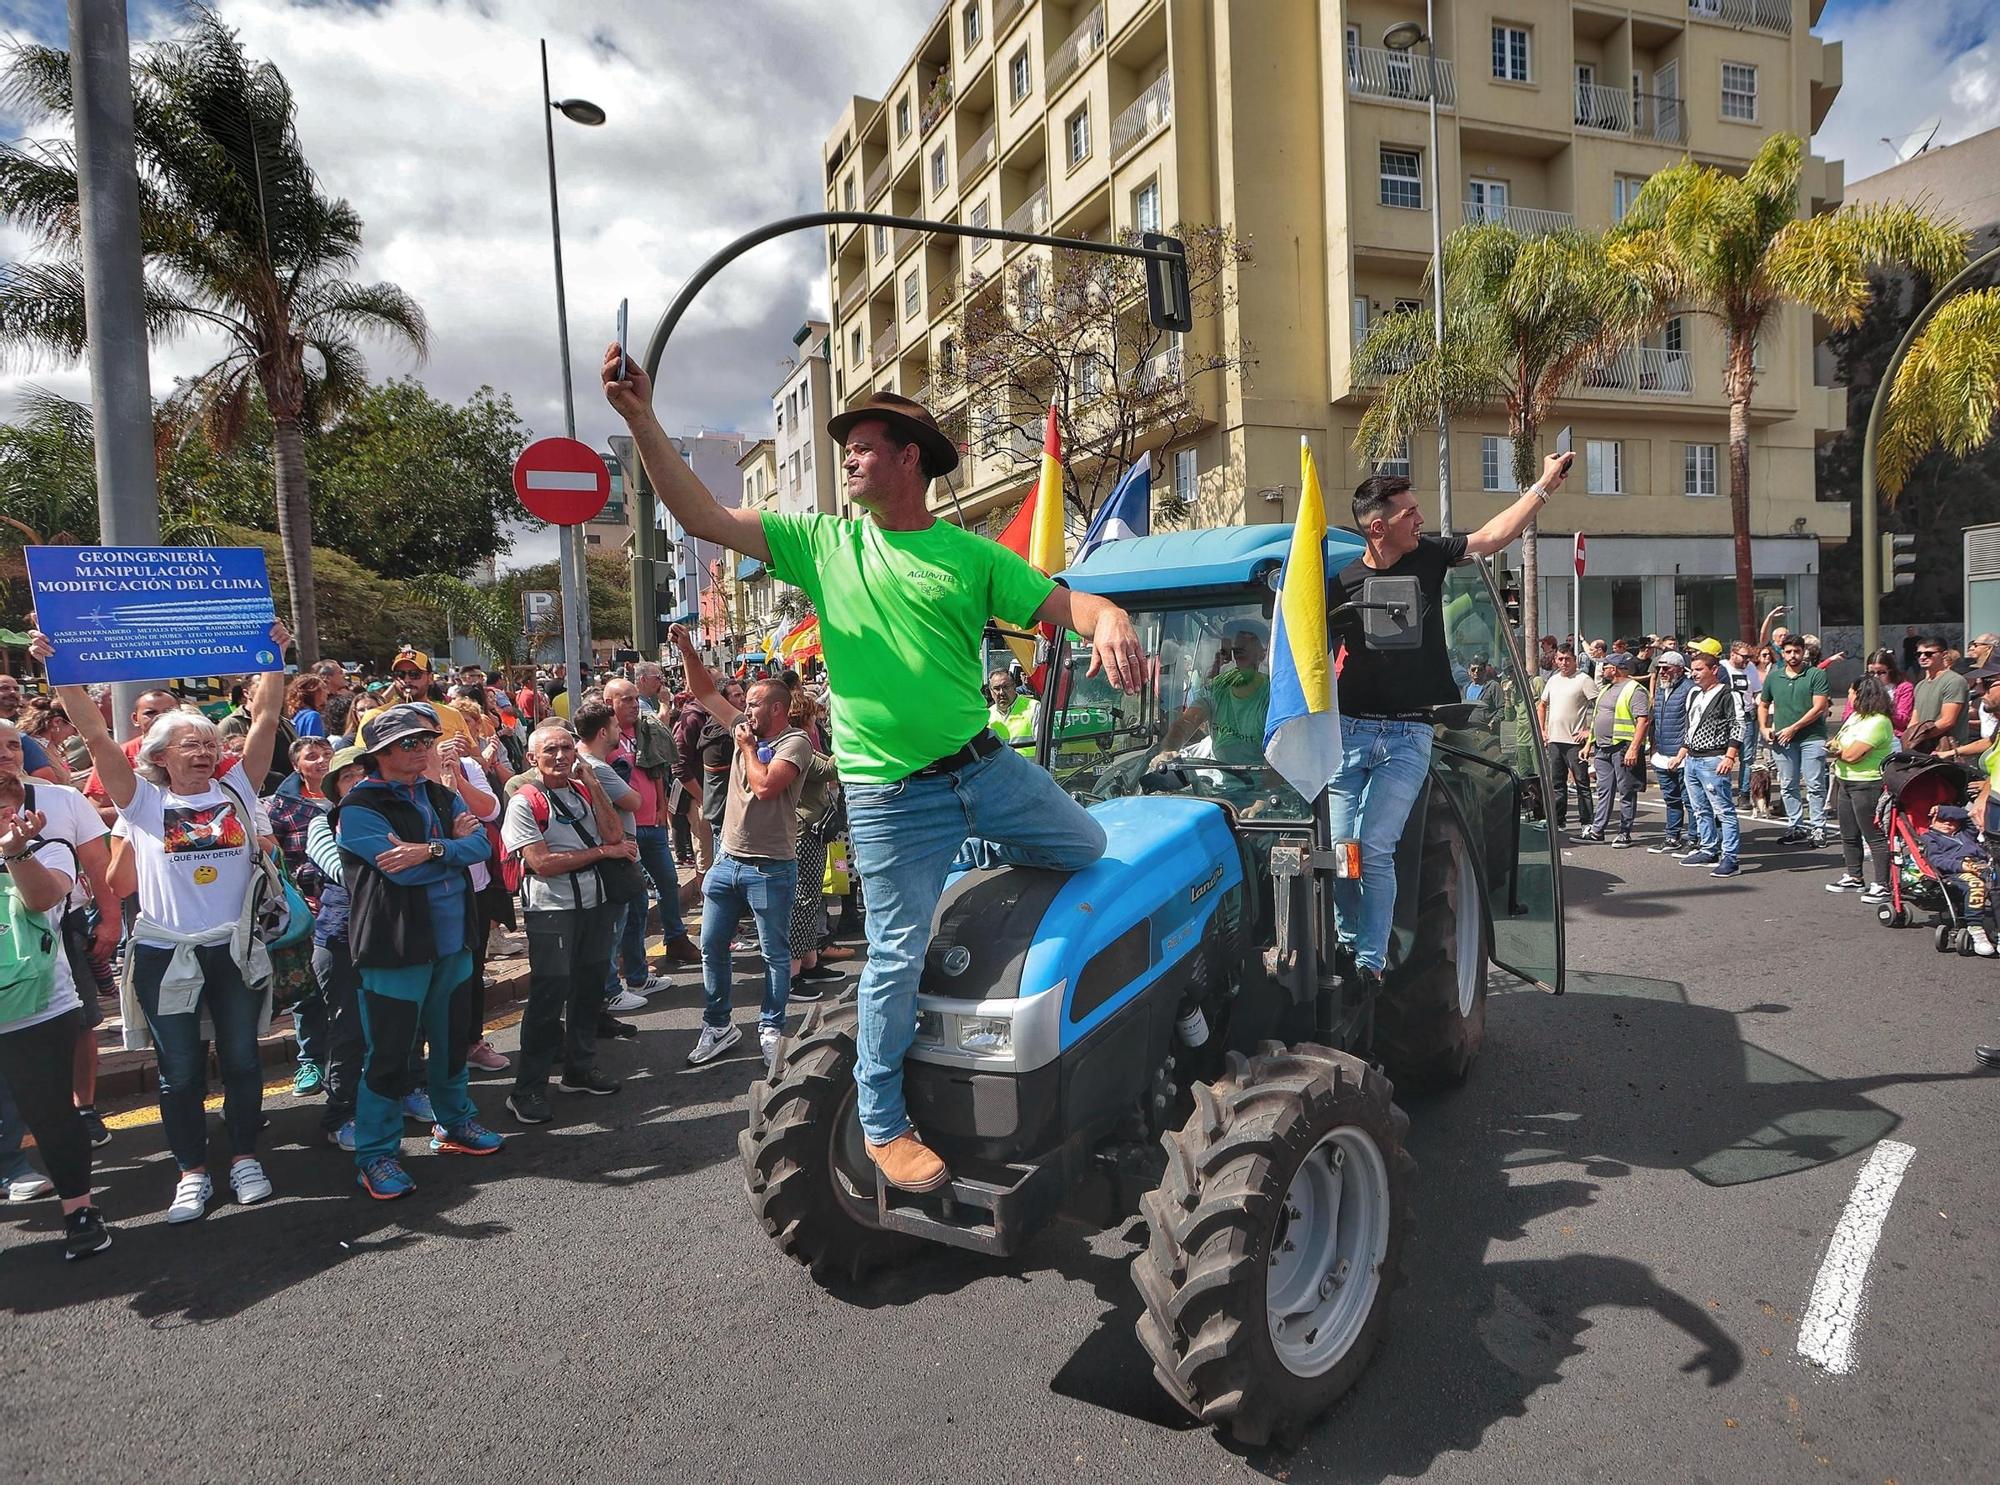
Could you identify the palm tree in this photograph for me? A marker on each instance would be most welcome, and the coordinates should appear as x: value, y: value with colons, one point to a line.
x: 491, y: 615
x: 1734, y: 248
x: 1525, y: 317
x: 1947, y: 389
x: 239, y: 240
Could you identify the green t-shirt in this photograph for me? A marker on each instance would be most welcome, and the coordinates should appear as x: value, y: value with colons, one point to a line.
x: 1236, y: 722
x: 1791, y: 697
x: 1880, y: 735
x: 900, y: 618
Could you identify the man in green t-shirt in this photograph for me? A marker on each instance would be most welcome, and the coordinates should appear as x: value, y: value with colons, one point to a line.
x: 1791, y: 717
x: 1232, y: 702
x: 903, y: 601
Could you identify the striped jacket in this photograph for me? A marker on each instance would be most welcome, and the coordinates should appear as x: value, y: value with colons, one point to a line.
x: 1713, y: 724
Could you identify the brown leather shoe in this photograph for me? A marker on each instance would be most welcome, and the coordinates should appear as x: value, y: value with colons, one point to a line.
x: 835, y: 953
x: 681, y: 951
x: 908, y: 1164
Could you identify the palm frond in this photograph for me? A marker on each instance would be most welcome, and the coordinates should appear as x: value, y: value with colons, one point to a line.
x: 1823, y: 261
x: 486, y: 614
x: 35, y: 81
x: 1946, y: 391
x: 382, y: 311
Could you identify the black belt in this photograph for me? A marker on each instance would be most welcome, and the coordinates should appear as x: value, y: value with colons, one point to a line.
x: 980, y: 746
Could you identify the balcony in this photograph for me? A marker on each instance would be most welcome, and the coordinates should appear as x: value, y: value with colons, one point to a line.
x: 1031, y: 215
x: 1402, y: 362
x: 983, y: 152
x: 884, y: 349
x: 1761, y: 15
x: 1377, y: 72
x: 1149, y: 113
x: 1659, y: 118
x: 1602, y: 108
x: 1085, y: 42
x: 878, y: 181
x: 853, y: 294
x: 905, y: 239
x: 1160, y: 372
x: 1643, y: 369
x: 1529, y: 221
x: 1005, y: 12
x: 936, y: 105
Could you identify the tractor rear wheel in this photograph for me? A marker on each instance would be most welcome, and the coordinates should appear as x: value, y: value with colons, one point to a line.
x: 1275, y: 1239
x: 808, y: 1177
x: 1431, y: 1018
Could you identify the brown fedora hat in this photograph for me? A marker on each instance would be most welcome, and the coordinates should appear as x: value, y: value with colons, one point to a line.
x: 909, y: 418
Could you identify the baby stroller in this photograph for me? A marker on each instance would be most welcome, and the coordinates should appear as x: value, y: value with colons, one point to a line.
x: 1914, y: 784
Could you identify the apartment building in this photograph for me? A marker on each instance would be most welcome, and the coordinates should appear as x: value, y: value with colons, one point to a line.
x: 808, y: 462
x: 1290, y: 122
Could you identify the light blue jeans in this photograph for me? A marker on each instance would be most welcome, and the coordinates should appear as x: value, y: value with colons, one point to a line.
x: 1711, y: 800
x: 1382, y: 769
x: 1802, y: 765
x: 906, y: 837
x: 765, y: 889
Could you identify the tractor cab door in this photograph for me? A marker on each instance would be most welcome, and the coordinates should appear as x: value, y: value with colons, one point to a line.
x: 1495, y: 770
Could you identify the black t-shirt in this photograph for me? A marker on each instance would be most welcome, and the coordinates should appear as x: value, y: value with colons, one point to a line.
x: 1397, y: 683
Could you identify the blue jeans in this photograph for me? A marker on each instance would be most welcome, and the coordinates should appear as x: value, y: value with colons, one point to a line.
x: 1711, y: 799
x: 765, y: 888
x: 233, y: 1007
x: 1383, y: 766
x: 906, y: 837
x: 399, y: 1007
x: 657, y: 861
x: 1802, y: 767
x: 1673, y: 794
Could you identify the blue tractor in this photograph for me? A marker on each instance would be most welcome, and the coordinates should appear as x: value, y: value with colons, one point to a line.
x: 1175, y: 1027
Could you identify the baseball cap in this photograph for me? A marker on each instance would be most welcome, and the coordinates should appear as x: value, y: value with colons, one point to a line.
x: 1671, y: 657
x: 1709, y: 647
x: 1619, y: 659
x: 395, y: 722
x: 408, y: 656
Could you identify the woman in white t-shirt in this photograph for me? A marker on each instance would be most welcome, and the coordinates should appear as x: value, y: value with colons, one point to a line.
x: 195, y: 839
x: 40, y: 1020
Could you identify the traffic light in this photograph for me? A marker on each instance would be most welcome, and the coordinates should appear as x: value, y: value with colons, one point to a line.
x: 1899, y: 560
x: 1168, y: 305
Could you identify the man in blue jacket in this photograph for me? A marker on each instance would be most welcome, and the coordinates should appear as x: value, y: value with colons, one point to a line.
x: 1670, y: 694
x: 406, y: 843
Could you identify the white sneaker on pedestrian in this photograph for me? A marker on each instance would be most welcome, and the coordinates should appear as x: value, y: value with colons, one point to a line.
x: 1872, y: 893
x: 770, y: 1039
x: 1982, y: 942
x: 625, y: 1000
x: 248, y: 1181
x: 191, y: 1196
x: 715, y: 1040
x: 653, y: 986
x: 499, y: 946
x: 29, y: 1187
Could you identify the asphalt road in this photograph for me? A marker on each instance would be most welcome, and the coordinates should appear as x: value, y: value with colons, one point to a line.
x: 1621, y: 1217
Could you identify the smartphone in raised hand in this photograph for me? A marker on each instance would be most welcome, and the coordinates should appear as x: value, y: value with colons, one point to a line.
x: 1563, y: 448
x: 624, y: 326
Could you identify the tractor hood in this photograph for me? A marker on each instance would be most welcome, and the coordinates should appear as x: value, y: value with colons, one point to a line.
x: 1058, y: 953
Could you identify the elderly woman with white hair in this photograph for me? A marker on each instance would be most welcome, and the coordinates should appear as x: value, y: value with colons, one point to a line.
x: 195, y: 969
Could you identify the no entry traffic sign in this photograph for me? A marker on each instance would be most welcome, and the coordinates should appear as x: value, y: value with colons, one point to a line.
x: 1579, y: 554
x: 561, y: 480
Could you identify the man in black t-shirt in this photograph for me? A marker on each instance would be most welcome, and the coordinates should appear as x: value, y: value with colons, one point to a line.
x: 1385, y: 697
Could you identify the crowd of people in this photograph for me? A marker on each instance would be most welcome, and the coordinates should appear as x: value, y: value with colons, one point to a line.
x: 1727, y: 730
x: 361, y: 849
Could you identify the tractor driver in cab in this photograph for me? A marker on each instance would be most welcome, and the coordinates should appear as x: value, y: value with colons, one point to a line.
x: 1232, y: 701
x: 1385, y: 696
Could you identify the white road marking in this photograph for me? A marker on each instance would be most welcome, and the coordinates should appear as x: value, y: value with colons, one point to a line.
x: 1833, y: 1314
x: 561, y: 479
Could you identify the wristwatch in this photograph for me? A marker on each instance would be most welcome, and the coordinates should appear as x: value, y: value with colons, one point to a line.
x: 437, y: 850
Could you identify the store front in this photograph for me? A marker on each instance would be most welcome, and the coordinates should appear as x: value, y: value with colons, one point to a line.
x: 1678, y: 585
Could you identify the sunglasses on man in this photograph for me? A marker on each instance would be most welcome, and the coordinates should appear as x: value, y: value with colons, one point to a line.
x: 416, y: 742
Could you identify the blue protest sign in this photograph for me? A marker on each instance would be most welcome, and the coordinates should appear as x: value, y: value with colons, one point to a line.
x: 152, y: 613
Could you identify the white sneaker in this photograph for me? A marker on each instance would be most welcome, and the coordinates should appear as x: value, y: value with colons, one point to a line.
x: 715, y: 1040
x: 248, y: 1181
x: 625, y: 1000
x: 191, y: 1197
x: 499, y: 946
x: 768, y: 1041
x: 29, y: 1187
x: 1982, y: 942
x: 653, y: 986
x: 1846, y: 882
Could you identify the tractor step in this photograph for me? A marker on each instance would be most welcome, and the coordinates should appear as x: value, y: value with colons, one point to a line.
x: 993, y: 1212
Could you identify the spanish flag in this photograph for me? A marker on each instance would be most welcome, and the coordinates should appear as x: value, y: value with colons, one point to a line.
x: 1302, y: 726
x: 1045, y: 538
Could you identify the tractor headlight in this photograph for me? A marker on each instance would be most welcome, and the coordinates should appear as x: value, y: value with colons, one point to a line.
x: 990, y: 1035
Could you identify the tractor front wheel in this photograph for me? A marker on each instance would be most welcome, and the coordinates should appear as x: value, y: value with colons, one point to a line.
x: 1275, y: 1240
x: 808, y: 1177
x: 1431, y: 1018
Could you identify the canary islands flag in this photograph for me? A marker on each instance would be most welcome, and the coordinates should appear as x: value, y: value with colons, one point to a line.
x: 1302, y: 727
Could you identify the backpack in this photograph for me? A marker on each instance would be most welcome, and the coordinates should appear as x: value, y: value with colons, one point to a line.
x: 29, y: 943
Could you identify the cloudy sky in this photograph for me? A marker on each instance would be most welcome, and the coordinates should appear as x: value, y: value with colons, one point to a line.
x: 426, y: 114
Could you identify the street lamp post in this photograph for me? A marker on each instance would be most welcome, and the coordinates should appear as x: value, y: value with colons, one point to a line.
x: 575, y: 577
x: 1401, y: 38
